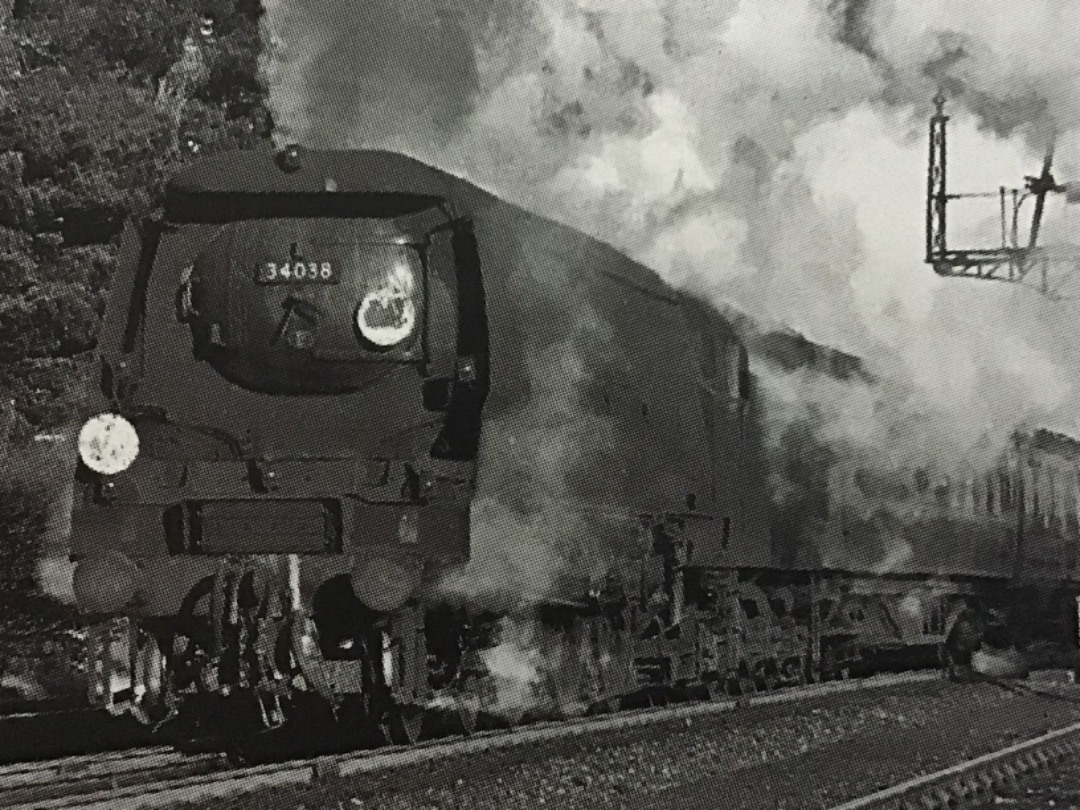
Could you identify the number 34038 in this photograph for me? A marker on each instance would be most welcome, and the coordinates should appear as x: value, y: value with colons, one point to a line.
x: 275, y: 272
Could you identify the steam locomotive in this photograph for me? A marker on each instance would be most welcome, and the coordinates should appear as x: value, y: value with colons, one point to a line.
x: 315, y: 365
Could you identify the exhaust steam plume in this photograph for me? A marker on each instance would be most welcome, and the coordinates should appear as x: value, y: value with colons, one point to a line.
x: 47, y: 466
x: 762, y: 154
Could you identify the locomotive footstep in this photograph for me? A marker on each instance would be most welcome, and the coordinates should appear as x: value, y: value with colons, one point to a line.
x: 601, y: 707
x: 712, y: 690
x: 238, y: 756
x: 466, y: 720
x: 406, y: 726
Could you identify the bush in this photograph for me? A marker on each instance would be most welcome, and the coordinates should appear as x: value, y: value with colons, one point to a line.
x: 85, y: 141
x: 65, y: 125
x: 22, y: 517
x: 233, y: 81
x: 89, y: 266
x: 56, y: 319
x: 18, y: 272
x: 144, y: 38
x: 48, y: 391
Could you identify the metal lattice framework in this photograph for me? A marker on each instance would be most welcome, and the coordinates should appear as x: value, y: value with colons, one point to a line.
x: 1011, y: 261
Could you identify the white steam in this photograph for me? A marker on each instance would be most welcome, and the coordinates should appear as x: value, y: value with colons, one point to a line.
x: 47, y: 468
x: 516, y: 667
x: 530, y: 538
x: 764, y: 153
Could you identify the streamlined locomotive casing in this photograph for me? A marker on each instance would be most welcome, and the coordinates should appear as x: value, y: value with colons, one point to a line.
x: 270, y: 424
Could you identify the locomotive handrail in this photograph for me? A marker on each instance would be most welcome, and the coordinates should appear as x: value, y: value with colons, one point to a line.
x: 160, y: 415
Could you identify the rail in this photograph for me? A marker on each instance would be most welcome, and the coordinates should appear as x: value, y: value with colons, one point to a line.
x: 167, y: 785
x: 975, y: 780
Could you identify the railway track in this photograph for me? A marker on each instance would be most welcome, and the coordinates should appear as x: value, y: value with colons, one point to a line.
x: 48, y: 735
x: 1056, y: 785
x: 145, y: 783
x: 94, y: 772
x: 975, y: 783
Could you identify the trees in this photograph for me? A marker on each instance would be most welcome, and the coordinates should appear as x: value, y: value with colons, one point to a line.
x: 89, y: 138
x: 143, y: 38
x: 95, y: 108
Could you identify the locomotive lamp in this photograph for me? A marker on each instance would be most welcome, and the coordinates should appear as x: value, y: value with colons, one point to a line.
x: 108, y: 444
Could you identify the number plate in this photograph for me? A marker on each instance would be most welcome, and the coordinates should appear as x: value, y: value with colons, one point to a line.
x: 296, y: 273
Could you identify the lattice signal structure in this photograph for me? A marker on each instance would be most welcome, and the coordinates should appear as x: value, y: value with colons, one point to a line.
x: 1009, y: 262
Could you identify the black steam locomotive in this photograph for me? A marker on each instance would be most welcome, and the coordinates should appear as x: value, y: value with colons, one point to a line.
x: 314, y: 365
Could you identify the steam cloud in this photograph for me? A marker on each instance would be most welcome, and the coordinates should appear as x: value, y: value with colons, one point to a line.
x: 765, y: 153
x: 529, y: 533
x: 48, y: 467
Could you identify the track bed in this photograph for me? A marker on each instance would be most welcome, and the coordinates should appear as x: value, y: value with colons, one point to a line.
x: 47, y: 735
x: 958, y: 725
x: 815, y: 750
x: 1058, y: 786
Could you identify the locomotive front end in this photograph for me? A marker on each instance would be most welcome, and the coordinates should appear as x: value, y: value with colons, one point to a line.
x: 293, y: 370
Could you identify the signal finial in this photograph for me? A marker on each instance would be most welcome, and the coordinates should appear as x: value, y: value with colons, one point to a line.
x: 939, y: 102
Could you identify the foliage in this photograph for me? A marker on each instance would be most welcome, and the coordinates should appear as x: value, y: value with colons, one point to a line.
x: 20, y: 510
x: 48, y: 390
x: 88, y: 137
x: 98, y: 99
x: 144, y: 38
